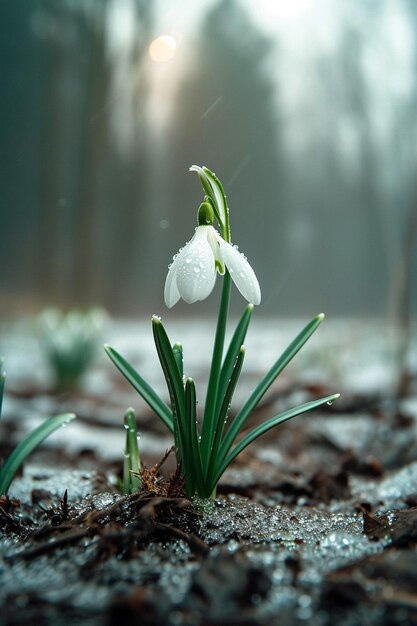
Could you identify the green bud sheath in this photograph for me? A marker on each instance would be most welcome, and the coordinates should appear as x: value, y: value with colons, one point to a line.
x: 205, y: 214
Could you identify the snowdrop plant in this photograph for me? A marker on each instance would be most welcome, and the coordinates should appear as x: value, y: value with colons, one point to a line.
x: 70, y: 341
x: 205, y: 451
x: 11, y: 466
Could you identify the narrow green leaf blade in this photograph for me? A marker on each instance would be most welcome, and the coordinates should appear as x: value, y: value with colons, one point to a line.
x: 222, y: 416
x: 194, y: 450
x: 267, y: 381
x: 25, y: 447
x: 271, y: 423
x: 169, y: 364
x: 179, y: 357
x: 209, y: 419
x: 142, y: 387
x: 232, y: 354
x: 173, y: 380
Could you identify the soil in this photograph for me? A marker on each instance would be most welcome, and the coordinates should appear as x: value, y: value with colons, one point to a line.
x: 314, y: 523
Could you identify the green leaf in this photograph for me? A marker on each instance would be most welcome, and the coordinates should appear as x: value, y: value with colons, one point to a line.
x: 209, y: 419
x: 271, y: 423
x: 19, y: 454
x: 267, y: 381
x: 194, y: 463
x: 222, y: 416
x: 169, y: 364
x: 142, y: 387
x: 174, y: 384
x: 179, y: 357
x: 236, y: 343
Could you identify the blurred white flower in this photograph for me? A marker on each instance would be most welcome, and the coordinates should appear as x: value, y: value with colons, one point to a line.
x: 192, y: 275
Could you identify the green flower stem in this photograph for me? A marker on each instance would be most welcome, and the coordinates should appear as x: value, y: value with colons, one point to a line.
x: 209, y: 419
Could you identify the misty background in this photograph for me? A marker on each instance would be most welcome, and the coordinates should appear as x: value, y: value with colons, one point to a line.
x: 306, y: 111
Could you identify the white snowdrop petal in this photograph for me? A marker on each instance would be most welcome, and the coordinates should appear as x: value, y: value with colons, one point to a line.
x: 171, y: 293
x: 241, y: 272
x: 196, y: 271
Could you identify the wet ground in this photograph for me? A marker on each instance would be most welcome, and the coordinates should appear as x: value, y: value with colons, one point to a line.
x: 315, y: 523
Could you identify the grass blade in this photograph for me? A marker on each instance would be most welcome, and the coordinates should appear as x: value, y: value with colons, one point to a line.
x: 142, y: 387
x: 25, y: 447
x: 267, y: 381
x: 271, y: 423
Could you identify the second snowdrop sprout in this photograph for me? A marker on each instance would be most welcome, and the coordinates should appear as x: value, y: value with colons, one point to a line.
x: 205, y: 448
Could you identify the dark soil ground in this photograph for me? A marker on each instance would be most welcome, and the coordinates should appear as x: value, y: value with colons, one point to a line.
x: 315, y: 523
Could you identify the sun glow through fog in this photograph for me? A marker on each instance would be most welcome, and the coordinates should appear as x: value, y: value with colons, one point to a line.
x: 162, y: 49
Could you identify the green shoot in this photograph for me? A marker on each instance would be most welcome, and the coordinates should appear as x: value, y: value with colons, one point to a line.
x: 131, y: 466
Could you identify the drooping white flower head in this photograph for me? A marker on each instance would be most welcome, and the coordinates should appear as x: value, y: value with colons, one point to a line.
x: 193, y: 272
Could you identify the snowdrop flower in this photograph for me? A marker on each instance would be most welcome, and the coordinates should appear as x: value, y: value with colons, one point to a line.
x: 193, y: 273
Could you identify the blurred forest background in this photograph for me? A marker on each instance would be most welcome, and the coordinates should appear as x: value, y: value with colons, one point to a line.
x: 306, y: 110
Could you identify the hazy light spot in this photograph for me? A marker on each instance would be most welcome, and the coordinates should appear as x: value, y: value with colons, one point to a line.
x: 162, y: 49
x: 164, y: 224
